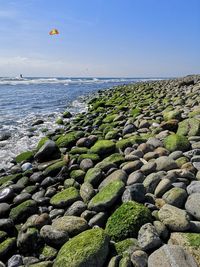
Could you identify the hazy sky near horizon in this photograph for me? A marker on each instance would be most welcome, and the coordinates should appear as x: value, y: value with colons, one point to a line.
x: 126, y: 38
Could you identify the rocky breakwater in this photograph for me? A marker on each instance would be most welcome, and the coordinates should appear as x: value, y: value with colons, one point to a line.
x: 116, y: 186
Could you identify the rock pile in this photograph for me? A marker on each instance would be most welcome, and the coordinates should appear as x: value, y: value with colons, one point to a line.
x: 118, y: 185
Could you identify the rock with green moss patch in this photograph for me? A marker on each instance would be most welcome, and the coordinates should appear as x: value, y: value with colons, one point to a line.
x: 189, y: 127
x: 77, y: 175
x: 68, y: 139
x: 107, y: 196
x: 78, y: 150
x: 135, y: 112
x: 89, y: 248
x: 111, y: 134
x: 176, y: 197
x: 103, y: 147
x: 123, y: 143
x: 7, y: 246
x: 93, y: 176
x: 24, y: 156
x: 23, y: 210
x: 173, y: 114
x: 195, y: 113
x: 109, y: 118
x: 3, y: 235
x: 176, y: 142
x: 42, y: 264
x: 47, y: 253
x: 59, y: 121
x: 189, y: 241
x: 65, y: 197
x: 42, y: 141
x: 115, y: 158
x: 92, y: 156
x: 54, y: 168
x: 126, y: 220
x: 12, y: 178
x: 126, y: 246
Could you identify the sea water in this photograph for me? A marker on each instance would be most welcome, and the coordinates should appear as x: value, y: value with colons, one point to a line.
x: 23, y: 101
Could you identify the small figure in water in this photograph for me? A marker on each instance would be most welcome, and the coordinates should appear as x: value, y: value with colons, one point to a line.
x: 21, y: 77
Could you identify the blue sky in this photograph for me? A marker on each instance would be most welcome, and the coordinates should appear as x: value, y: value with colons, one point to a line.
x: 129, y: 38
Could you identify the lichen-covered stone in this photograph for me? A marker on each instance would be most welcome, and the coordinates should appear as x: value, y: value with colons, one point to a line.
x: 24, y: 156
x: 68, y: 139
x: 107, y: 196
x: 54, y: 168
x: 23, y: 210
x: 89, y: 248
x: 176, y: 142
x: 103, y: 147
x: 126, y: 220
x: 65, y: 197
x: 6, y: 246
x: 189, y: 127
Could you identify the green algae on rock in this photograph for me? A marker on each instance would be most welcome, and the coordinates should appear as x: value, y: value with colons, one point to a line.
x: 107, y: 196
x: 175, y: 142
x: 189, y: 127
x: 54, y: 168
x: 6, y: 246
x: 68, y: 139
x: 89, y: 248
x: 42, y: 141
x: 103, y: 147
x: 93, y: 176
x: 13, y: 178
x: 126, y: 220
x: 65, y: 197
x: 125, y: 245
x: 23, y: 210
x: 24, y: 156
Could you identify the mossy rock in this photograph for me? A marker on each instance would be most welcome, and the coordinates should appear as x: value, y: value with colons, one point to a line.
x: 125, y: 245
x: 135, y: 112
x: 109, y: 118
x: 189, y: 241
x: 189, y: 127
x: 103, y: 147
x: 78, y: 150
x: 59, y: 121
x: 111, y: 134
x: 23, y: 210
x: 24, y: 156
x: 182, y: 160
x: 98, y: 104
x: 195, y: 112
x: 13, y: 178
x: 115, y: 158
x: 42, y: 141
x: 126, y: 221
x: 69, y: 139
x: 7, y: 246
x: 3, y: 235
x: 54, y: 168
x: 67, y: 114
x: 173, y: 114
x: 48, y: 253
x: 175, y: 142
x: 88, y: 249
x: 77, y: 175
x: 93, y: 176
x: 123, y: 143
x: 107, y: 196
x: 65, y: 197
x: 92, y: 156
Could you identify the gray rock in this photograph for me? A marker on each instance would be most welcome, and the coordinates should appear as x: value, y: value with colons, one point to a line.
x: 171, y: 255
x: 139, y: 258
x: 6, y: 194
x: 4, y: 210
x: 73, y: 225
x: 36, y: 177
x: 194, y: 187
x: 148, y: 168
x: 76, y: 208
x: 86, y: 164
x: 99, y: 219
x: 192, y: 205
x: 130, y: 128
x: 88, y: 214
x: 132, y: 166
x: 174, y: 218
x: 134, y: 192
x: 176, y: 197
x: 152, y: 180
x: 114, y: 261
x: 26, y: 166
x: 93, y: 176
x: 195, y: 226
x: 28, y: 240
x: 5, y: 136
x: 155, y: 142
x: 55, y: 213
x: 162, y: 187
x: 175, y: 155
x: 135, y: 177
x: 148, y: 237
x: 196, y: 165
x: 165, y: 163
x: 161, y: 229
x: 48, y: 151
x: 191, y: 153
x: 6, y: 224
x: 53, y: 237
x: 21, y: 198
x: 15, y: 261
x: 87, y: 191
